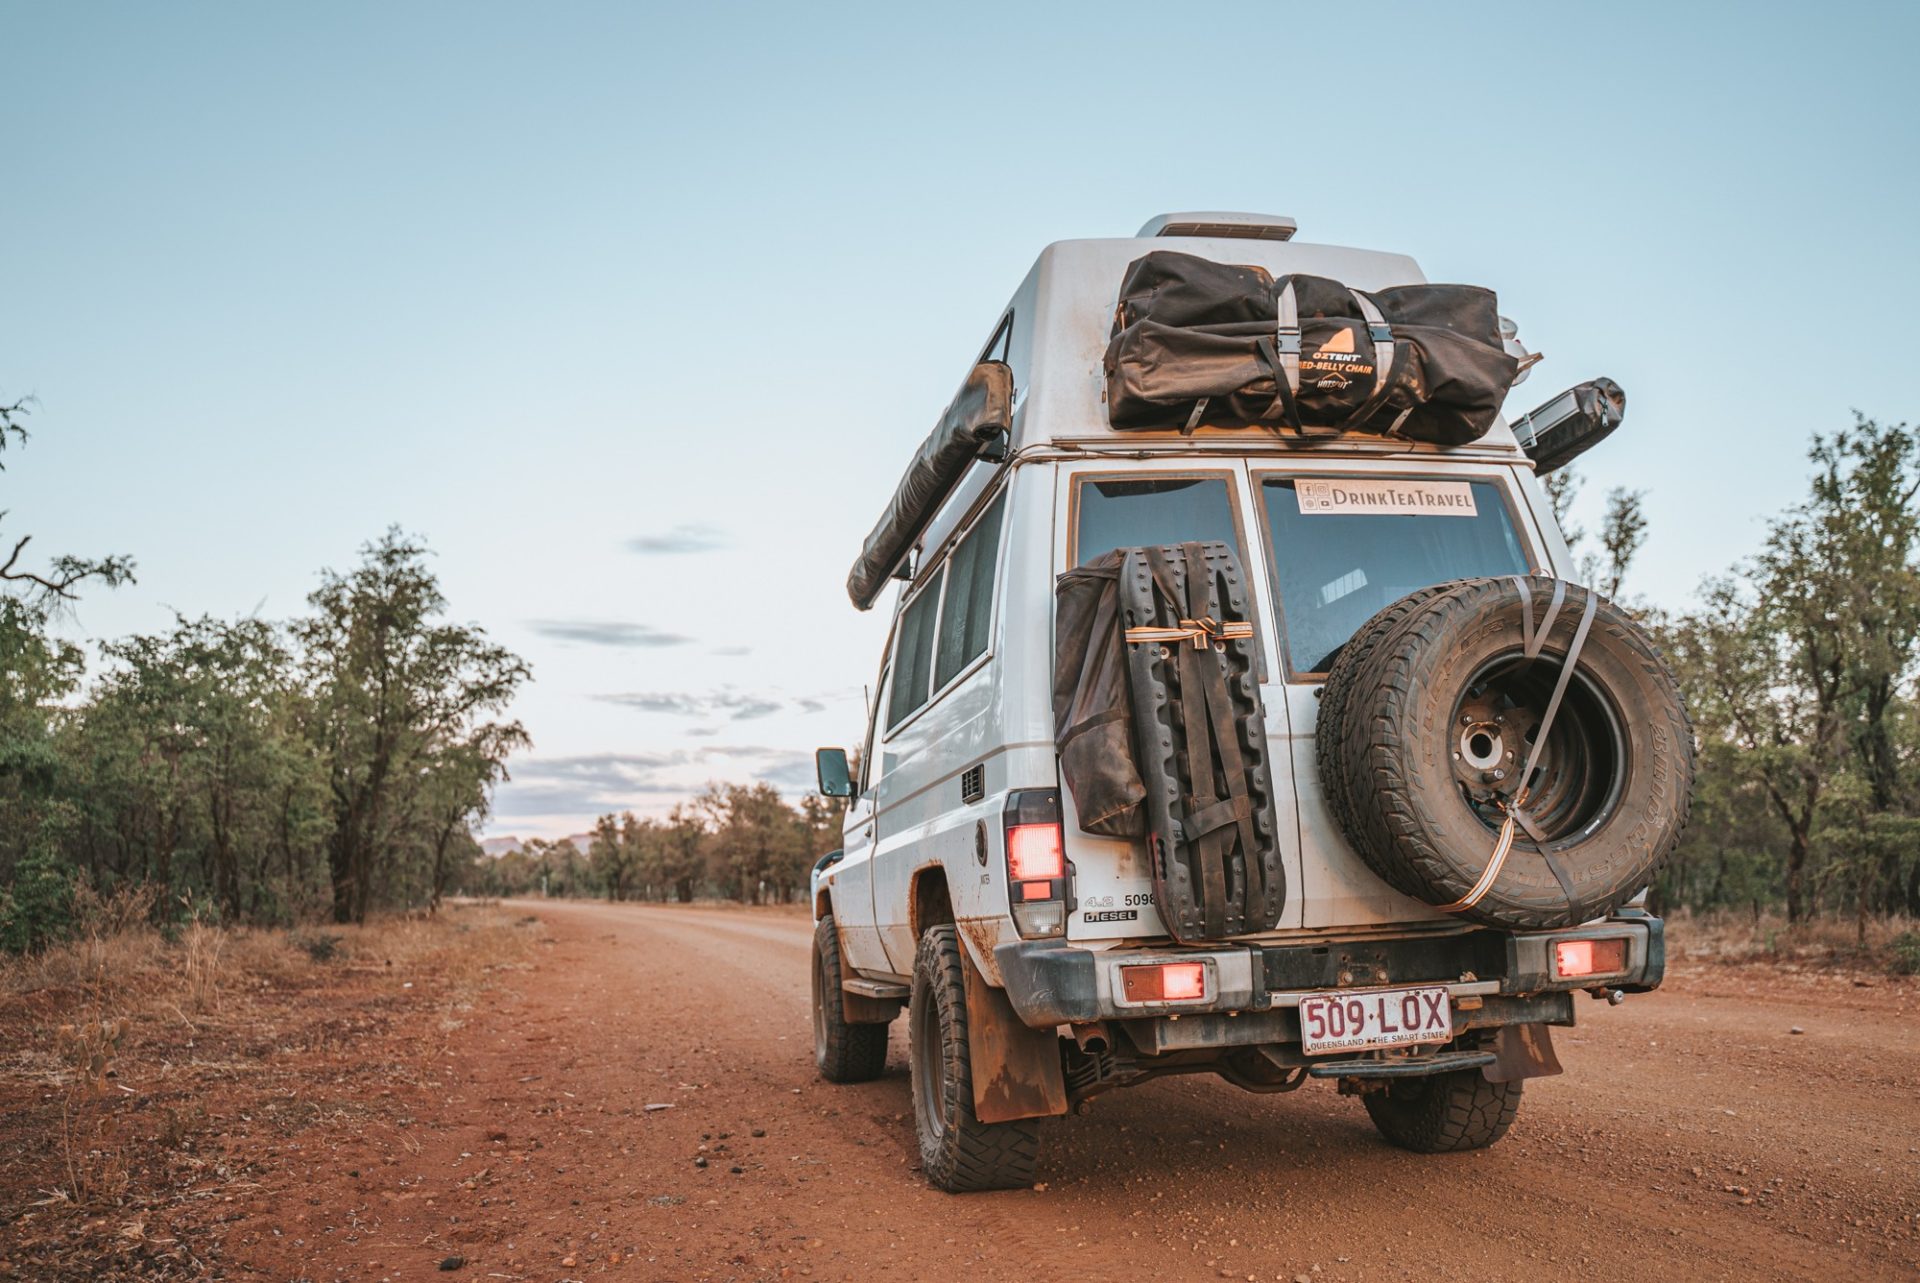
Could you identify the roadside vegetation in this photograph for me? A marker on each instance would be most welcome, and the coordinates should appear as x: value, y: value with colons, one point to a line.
x: 741, y: 842
x: 1799, y: 665
x: 247, y: 770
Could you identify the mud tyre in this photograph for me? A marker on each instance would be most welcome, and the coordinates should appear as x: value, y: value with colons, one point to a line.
x: 1446, y: 1113
x: 1342, y: 680
x: 1438, y: 699
x: 843, y: 1052
x: 958, y: 1153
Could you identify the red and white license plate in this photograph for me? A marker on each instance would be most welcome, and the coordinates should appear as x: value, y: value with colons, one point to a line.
x: 1375, y: 1018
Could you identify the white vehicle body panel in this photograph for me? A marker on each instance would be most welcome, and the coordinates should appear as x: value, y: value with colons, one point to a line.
x: 996, y: 713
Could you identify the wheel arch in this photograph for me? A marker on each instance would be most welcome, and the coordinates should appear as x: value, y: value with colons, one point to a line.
x: 929, y: 898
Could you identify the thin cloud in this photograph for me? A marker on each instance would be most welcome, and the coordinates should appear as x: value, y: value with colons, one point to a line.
x: 601, y: 771
x: 679, y: 541
x: 738, y: 706
x: 791, y: 770
x: 593, y: 784
x: 606, y: 632
x: 657, y: 702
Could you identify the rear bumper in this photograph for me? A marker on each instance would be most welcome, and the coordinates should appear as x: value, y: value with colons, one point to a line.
x: 1051, y: 982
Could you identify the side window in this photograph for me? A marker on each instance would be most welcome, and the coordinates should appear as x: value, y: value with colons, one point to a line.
x: 913, y: 652
x: 1135, y: 511
x: 969, y: 608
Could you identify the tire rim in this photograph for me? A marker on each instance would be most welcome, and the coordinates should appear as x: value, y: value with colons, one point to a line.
x: 1582, y: 769
x: 819, y: 1009
x: 929, y: 1086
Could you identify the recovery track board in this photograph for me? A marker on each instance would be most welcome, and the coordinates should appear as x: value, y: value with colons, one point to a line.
x: 1200, y: 736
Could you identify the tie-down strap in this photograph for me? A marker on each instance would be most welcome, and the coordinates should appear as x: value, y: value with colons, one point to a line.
x: 1283, y: 356
x: 1515, y: 808
x: 1202, y: 632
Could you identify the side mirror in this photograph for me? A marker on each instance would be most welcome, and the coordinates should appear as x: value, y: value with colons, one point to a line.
x: 830, y: 769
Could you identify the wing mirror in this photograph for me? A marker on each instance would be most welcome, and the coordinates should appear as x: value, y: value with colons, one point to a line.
x: 830, y: 769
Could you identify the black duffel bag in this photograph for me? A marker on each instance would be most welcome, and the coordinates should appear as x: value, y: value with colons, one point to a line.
x: 1198, y: 343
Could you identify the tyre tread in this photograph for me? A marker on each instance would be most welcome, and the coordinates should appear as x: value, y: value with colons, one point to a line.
x: 853, y: 1053
x: 1447, y: 1113
x: 970, y: 1156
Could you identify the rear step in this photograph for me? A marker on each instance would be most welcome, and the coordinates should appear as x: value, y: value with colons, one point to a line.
x: 873, y: 988
x: 1420, y: 1068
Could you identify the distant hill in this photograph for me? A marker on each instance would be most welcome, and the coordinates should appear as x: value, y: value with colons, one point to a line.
x: 500, y: 846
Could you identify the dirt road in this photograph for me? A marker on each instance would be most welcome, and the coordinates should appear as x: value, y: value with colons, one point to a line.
x: 1695, y: 1135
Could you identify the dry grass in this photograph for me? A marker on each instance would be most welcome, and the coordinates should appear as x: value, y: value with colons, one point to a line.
x: 122, y: 1049
x: 1880, y: 944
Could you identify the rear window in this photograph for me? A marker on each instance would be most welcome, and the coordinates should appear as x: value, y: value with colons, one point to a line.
x: 1343, y: 547
x: 1137, y: 511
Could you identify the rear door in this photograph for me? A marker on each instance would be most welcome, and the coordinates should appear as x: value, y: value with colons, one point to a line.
x: 1110, y: 504
x: 1343, y: 539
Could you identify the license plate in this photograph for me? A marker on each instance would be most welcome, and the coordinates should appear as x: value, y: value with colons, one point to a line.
x: 1375, y: 1018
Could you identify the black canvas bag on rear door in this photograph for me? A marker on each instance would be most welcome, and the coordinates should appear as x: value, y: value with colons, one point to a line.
x: 1196, y: 343
x: 1161, y: 733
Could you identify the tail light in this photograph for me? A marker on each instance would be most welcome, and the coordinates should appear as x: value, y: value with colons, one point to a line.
x: 1572, y: 958
x: 1165, y: 982
x: 1037, y: 869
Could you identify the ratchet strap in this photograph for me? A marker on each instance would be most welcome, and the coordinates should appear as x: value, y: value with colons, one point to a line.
x: 1281, y: 354
x: 1515, y: 809
x: 1202, y: 632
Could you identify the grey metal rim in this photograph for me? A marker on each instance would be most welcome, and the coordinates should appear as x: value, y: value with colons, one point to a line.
x: 819, y: 1008
x: 929, y: 1069
x: 1583, y: 770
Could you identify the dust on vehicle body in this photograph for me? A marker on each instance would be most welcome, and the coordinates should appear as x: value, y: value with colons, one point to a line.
x: 1238, y: 721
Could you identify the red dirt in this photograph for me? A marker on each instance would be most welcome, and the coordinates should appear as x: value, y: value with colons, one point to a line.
x: 1694, y: 1136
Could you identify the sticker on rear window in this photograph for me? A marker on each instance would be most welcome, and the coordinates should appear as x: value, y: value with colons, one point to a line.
x: 1352, y: 497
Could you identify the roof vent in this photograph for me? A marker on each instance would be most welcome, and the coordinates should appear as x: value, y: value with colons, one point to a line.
x: 1214, y: 222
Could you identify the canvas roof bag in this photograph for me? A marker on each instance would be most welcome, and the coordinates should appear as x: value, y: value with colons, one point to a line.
x: 1197, y: 343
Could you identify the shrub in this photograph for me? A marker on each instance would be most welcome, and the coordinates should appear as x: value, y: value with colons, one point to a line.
x: 1906, y: 953
x: 37, y: 910
x: 321, y: 946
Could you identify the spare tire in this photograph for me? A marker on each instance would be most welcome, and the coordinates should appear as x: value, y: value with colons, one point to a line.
x: 1430, y: 714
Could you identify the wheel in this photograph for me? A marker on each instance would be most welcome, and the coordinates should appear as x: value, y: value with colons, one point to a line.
x: 844, y: 1052
x: 1445, y: 1113
x: 1422, y: 752
x: 959, y: 1153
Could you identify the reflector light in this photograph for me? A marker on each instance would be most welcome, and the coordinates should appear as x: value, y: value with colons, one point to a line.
x: 1166, y: 982
x: 1035, y: 890
x: 1589, y: 957
x: 1033, y: 852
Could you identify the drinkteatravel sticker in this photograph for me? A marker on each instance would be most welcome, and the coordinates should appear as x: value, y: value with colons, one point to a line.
x: 1354, y: 496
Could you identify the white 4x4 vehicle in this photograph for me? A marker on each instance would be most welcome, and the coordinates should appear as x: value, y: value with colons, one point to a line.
x: 1032, y: 956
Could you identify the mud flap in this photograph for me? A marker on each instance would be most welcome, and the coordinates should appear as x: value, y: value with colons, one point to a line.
x: 1522, y: 1051
x: 1016, y: 1070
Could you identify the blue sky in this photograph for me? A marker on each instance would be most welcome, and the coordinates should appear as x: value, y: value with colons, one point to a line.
x: 635, y: 312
